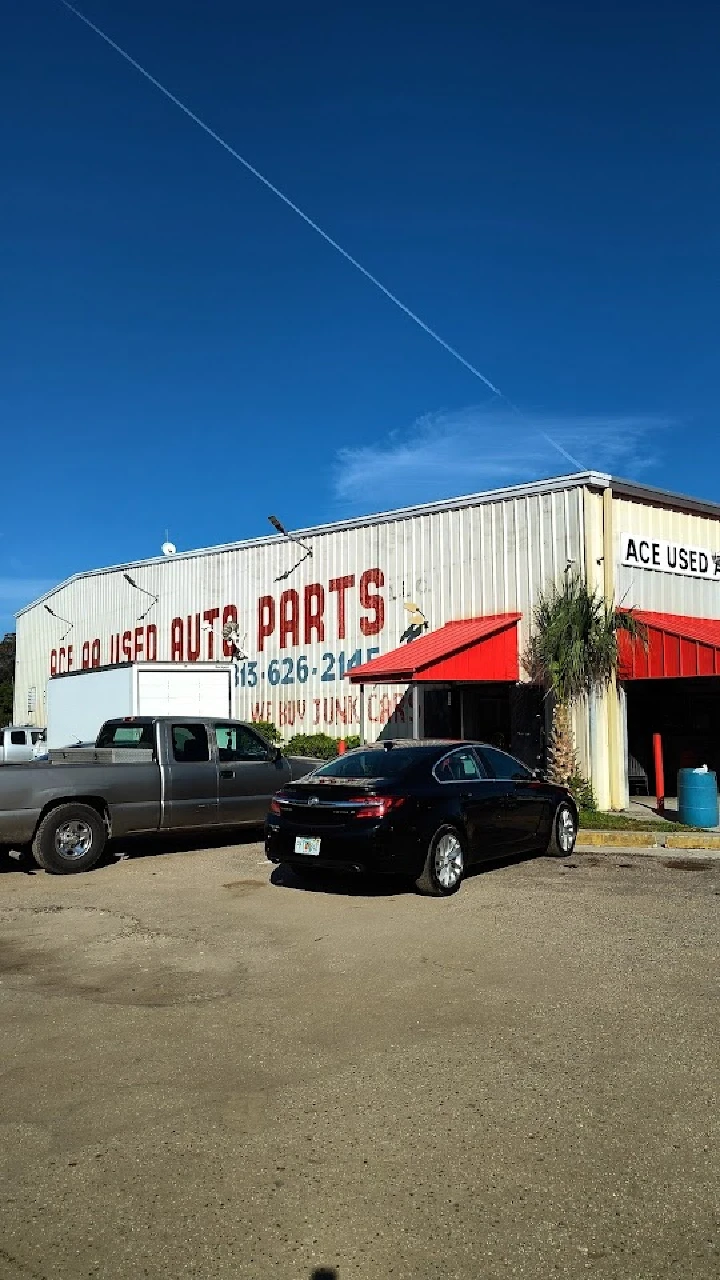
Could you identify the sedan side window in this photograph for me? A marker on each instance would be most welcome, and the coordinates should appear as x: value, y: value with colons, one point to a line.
x: 190, y: 743
x: 236, y: 742
x: 502, y: 766
x: 459, y: 766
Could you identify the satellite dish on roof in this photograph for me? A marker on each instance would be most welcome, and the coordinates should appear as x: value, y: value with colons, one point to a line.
x: 168, y: 548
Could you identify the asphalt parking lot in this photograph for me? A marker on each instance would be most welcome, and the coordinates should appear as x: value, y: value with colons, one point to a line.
x: 210, y: 1072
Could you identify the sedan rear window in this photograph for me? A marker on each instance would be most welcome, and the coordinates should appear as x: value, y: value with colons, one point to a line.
x: 393, y: 763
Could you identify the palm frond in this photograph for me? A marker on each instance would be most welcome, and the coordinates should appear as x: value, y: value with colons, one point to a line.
x: 574, y: 646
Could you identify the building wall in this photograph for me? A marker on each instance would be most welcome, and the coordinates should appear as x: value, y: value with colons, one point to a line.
x: 610, y: 519
x: 648, y: 588
x: 302, y: 626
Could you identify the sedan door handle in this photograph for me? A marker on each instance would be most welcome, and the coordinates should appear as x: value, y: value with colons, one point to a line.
x: 227, y: 773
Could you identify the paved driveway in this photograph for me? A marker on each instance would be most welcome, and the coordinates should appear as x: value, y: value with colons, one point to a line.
x: 208, y: 1074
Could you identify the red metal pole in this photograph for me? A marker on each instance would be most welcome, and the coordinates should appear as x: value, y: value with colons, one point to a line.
x: 341, y: 747
x: 659, y: 772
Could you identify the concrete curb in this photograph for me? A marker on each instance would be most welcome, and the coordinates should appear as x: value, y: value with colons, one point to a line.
x: 650, y: 851
x: 649, y: 840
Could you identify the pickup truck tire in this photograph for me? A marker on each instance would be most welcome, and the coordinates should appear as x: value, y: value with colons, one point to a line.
x: 70, y: 838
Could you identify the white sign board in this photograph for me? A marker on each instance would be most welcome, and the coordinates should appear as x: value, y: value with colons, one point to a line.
x: 640, y: 552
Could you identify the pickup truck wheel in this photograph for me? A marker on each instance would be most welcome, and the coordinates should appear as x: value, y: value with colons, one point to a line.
x: 69, y: 838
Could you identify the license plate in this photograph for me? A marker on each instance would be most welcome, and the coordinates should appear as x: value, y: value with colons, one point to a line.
x: 309, y: 845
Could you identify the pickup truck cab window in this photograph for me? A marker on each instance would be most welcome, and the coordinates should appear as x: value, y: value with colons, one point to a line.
x: 17, y: 737
x: 190, y: 743
x: 118, y: 734
x: 236, y: 742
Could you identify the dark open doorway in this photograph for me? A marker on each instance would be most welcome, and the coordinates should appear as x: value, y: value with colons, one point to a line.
x: 508, y: 715
x: 686, y: 712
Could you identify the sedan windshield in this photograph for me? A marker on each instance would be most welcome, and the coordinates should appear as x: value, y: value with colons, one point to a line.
x: 393, y: 763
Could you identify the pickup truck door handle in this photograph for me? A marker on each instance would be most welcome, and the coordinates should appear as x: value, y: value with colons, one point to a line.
x: 227, y: 773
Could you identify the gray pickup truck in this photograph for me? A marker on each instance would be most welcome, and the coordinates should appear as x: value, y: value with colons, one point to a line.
x: 144, y: 775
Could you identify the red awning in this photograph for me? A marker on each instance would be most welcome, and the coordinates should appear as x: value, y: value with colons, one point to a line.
x: 675, y: 646
x: 472, y: 649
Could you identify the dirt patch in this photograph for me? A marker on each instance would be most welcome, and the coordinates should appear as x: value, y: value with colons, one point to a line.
x: 687, y: 864
x: 243, y: 886
x: 110, y: 958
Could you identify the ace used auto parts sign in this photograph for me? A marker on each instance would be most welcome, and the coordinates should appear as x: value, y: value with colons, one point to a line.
x: 640, y: 552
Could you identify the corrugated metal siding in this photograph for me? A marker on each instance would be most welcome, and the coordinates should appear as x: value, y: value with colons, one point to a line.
x: 484, y: 558
x: 665, y: 592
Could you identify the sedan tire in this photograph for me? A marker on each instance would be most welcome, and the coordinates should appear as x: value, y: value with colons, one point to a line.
x: 444, y: 865
x: 70, y: 838
x: 564, y: 832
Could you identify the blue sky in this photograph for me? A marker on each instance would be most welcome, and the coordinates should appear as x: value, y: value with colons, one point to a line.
x: 178, y: 350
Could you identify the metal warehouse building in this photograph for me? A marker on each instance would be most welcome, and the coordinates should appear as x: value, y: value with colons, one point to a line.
x: 414, y: 622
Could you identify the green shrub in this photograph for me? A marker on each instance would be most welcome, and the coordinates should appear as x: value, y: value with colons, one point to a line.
x: 267, y: 730
x: 319, y: 745
x: 582, y: 792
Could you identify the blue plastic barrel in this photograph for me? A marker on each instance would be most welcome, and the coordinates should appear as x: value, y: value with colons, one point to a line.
x: 697, y: 798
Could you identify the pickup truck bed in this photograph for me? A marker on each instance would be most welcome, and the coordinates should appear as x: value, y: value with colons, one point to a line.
x: 143, y: 776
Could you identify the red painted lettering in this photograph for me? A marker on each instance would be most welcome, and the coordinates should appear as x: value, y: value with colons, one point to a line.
x: 211, y: 616
x: 193, y: 637
x: 341, y: 586
x: 127, y: 645
x: 266, y: 620
x: 177, y: 640
x: 230, y: 614
x: 86, y: 655
x: 53, y: 662
x: 95, y: 654
x: 314, y: 610
x: 371, y: 600
x: 70, y: 657
x: 289, y: 618
x: 139, y: 647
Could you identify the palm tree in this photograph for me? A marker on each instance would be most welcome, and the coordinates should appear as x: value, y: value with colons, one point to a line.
x: 574, y: 651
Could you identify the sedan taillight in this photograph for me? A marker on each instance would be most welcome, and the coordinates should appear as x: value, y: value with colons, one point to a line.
x: 379, y: 807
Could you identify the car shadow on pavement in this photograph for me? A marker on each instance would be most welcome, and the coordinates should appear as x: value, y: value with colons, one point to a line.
x: 359, y: 885
x: 17, y: 860
x: 346, y: 884
x: 180, y: 842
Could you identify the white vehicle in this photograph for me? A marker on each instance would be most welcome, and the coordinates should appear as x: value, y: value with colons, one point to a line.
x: 21, y: 743
x: 79, y: 702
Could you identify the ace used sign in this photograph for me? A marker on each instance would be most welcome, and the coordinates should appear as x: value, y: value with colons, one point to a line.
x: 639, y: 552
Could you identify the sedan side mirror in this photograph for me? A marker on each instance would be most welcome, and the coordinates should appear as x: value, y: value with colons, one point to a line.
x: 276, y: 754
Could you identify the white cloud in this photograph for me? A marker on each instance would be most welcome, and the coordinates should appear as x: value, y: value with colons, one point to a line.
x: 446, y: 454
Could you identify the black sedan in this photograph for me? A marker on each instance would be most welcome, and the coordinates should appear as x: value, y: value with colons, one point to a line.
x: 426, y: 810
